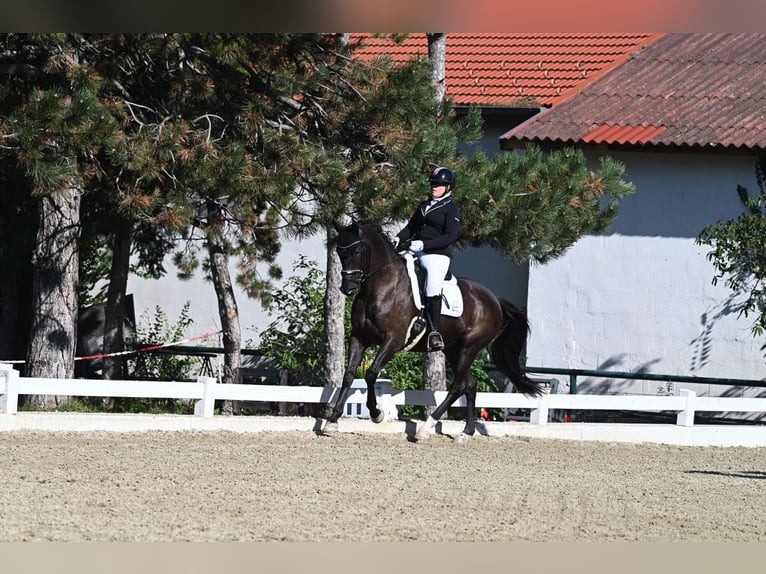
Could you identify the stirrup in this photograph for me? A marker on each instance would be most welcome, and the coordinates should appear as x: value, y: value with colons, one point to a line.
x: 435, y: 341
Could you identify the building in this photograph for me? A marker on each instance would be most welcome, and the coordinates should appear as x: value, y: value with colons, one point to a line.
x: 685, y: 115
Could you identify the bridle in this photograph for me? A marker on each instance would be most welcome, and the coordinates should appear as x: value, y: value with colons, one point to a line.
x: 360, y: 274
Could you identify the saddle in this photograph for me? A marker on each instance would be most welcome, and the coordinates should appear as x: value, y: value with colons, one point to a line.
x: 452, y: 299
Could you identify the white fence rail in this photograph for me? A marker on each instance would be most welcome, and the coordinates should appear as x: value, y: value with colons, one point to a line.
x: 206, y: 390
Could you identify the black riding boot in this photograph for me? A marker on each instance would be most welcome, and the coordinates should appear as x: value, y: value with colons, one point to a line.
x: 434, y: 308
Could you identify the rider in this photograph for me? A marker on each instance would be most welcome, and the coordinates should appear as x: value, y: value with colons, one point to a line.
x: 429, y: 235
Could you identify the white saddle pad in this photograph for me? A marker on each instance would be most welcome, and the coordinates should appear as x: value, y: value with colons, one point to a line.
x: 452, y: 297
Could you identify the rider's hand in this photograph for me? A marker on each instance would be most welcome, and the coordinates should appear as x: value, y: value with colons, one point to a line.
x: 416, y: 245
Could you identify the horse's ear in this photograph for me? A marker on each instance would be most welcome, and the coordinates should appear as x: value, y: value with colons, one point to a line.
x: 337, y: 225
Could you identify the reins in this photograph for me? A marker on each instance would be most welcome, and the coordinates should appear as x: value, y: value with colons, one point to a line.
x: 365, y: 277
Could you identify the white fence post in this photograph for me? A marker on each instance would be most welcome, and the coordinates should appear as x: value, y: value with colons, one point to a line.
x: 383, y: 389
x: 685, y: 418
x: 539, y: 415
x: 9, y: 398
x: 206, y: 405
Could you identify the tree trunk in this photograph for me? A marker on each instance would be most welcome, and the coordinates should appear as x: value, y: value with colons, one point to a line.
x: 334, y: 315
x: 114, y: 314
x: 334, y: 307
x: 227, y: 311
x: 434, y: 368
x: 55, y: 262
x: 437, y: 54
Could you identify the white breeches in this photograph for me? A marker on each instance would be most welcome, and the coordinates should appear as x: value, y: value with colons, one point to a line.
x: 436, y: 267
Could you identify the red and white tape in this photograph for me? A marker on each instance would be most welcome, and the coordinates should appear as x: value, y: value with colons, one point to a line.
x: 134, y: 351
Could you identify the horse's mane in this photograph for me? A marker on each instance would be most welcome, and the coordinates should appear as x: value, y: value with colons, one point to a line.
x: 367, y: 227
x: 366, y: 224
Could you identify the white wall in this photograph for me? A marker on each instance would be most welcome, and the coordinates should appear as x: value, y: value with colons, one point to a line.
x: 170, y: 294
x: 641, y: 297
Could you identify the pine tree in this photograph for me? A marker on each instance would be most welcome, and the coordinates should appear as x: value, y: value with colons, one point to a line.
x: 535, y: 205
x: 52, y: 124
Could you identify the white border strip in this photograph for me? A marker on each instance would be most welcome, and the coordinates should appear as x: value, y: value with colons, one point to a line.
x: 697, y: 435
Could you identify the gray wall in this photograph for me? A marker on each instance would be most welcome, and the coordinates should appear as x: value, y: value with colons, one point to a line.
x: 641, y: 297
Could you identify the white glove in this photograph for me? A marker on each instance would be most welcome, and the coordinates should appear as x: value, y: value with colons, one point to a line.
x: 416, y: 245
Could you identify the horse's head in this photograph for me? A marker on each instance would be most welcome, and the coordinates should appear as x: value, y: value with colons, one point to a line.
x: 352, y: 252
x: 364, y: 250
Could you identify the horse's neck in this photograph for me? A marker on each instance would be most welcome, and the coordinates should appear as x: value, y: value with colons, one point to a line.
x: 387, y: 268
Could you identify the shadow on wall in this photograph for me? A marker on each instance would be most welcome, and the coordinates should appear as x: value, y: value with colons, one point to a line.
x: 617, y: 386
x: 703, y: 343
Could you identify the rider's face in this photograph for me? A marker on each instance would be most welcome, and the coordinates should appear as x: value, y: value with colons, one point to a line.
x: 438, y: 190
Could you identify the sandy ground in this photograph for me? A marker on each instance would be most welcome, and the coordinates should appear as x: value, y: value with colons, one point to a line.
x: 298, y: 486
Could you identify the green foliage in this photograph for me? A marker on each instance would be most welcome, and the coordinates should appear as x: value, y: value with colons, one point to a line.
x: 295, y: 339
x: 535, y: 205
x: 739, y: 252
x: 484, y: 383
x: 95, y: 262
x: 406, y: 373
x: 159, y: 367
x: 79, y: 405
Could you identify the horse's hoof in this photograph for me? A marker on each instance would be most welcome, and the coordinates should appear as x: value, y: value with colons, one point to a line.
x: 463, y: 438
x: 330, y: 428
x: 379, y: 418
x: 424, y: 429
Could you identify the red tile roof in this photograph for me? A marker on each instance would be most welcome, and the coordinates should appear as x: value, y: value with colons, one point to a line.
x: 514, y: 70
x: 695, y: 89
x: 616, y: 133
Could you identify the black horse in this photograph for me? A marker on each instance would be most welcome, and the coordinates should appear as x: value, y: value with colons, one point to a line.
x: 382, y: 313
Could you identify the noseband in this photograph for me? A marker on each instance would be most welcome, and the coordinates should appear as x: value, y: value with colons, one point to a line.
x: 365, y: 256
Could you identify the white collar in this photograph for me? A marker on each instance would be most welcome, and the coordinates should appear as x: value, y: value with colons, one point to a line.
x: 433, y: 200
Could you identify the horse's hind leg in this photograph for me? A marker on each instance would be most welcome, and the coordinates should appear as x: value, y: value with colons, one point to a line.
x: 463, y: 383
x: 462, y: 369
x: 454, y: 392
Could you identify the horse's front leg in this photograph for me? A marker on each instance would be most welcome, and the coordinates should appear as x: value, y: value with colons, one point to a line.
x: 385, y: 353
x: 470, y: 408
x: 355, y: 354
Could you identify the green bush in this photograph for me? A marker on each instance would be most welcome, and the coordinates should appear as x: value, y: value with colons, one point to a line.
x: 295, y: 339
x: 406, y: 373
x: 159, y: 367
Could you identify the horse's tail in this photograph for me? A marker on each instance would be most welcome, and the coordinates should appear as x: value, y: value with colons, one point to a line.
x: 505, y: 350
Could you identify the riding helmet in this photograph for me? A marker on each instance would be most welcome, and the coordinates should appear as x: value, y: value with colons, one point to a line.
x: 443, y: 176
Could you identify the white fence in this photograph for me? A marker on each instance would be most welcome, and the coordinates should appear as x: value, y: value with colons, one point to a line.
x: 206, y: 390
